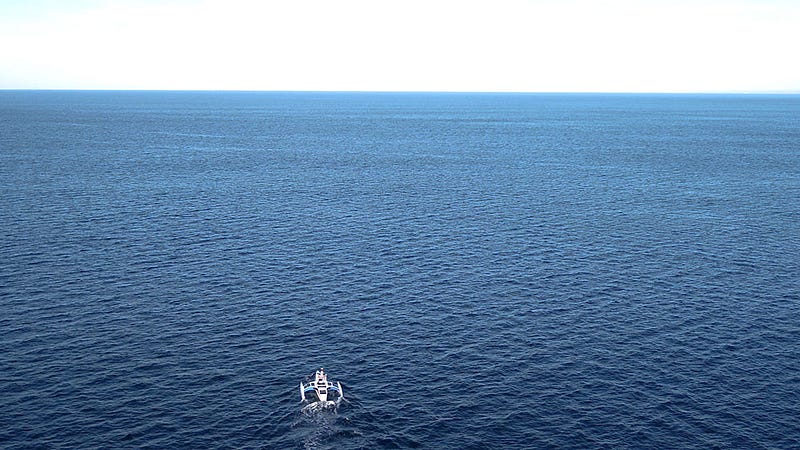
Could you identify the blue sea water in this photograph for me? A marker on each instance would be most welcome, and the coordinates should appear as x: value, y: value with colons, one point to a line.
x: 479, y: 270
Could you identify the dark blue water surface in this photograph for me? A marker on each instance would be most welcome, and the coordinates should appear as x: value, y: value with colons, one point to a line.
x: 479, y: 271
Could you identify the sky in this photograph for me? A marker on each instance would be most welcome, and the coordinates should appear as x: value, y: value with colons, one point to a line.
x: 402, y: 45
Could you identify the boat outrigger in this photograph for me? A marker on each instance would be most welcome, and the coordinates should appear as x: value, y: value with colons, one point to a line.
x: 321, y: 390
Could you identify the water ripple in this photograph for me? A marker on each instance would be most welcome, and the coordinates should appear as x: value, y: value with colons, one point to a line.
x: 478, y: 271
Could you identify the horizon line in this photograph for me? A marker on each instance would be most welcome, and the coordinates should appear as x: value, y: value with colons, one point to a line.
x: 401, y: 91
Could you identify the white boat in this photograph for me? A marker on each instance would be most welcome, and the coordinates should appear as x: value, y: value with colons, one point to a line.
x: 320, y: 389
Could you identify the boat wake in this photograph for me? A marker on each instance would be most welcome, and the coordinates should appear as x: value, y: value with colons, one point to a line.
x: 322, y: 406
x: 318, y: 427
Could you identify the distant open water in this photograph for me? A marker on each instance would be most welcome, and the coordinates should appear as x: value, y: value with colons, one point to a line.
x: 479, y: 271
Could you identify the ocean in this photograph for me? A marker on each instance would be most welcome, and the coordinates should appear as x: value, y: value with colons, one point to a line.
x: 479, y: 271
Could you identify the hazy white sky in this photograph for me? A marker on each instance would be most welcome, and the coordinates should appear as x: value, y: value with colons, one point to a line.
x: 442, y: 45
